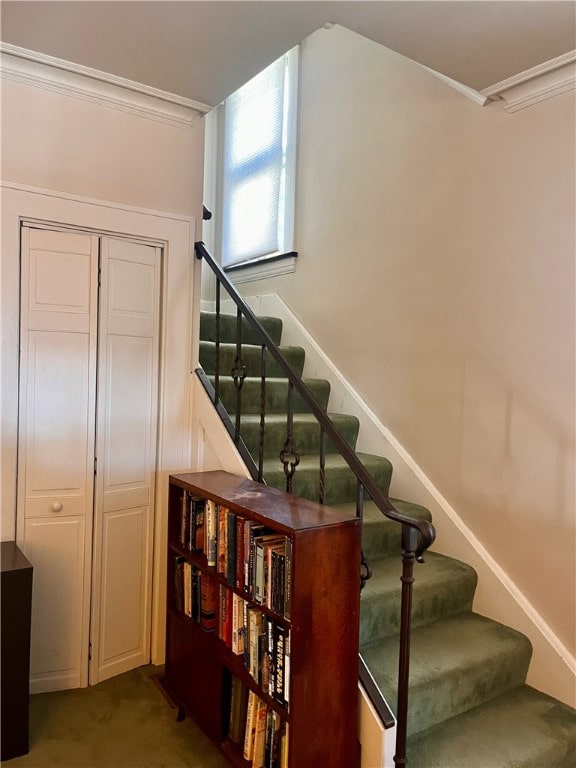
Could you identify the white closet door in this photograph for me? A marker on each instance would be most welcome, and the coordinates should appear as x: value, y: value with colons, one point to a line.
x: 126, y: 456
x: 56, y: 447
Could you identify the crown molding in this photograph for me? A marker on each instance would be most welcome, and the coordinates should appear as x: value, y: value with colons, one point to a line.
x: 537, y: 84
x: 75, y: 80
x: 470, y: 93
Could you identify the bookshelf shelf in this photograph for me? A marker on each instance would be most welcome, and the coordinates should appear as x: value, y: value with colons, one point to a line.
x: 262, y: 644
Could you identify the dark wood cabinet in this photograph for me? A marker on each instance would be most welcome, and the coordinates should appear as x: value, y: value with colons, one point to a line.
x: 321, y: 630
x: 16, y: 599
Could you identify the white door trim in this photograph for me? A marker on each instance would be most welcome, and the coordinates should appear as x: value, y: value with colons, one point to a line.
x: 175, y: 233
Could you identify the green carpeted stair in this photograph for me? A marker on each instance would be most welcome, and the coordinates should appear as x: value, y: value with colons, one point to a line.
x: 469, y: 704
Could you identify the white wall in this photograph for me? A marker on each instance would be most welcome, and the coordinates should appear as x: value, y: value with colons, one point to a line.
x: 444, y: 234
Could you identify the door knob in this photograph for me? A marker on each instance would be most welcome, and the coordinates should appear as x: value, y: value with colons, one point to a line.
x: 56, y: 506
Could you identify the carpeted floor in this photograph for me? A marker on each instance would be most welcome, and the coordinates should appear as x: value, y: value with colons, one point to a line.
x: 124, y: 722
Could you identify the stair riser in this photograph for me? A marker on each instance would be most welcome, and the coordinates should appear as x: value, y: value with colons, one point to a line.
x: 228, y: 326
x: 251, y: 357
x: 439, y: 593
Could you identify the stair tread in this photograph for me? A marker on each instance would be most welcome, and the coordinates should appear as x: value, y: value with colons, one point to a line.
x: 521, y: 728
x: 455, y: 665
x: 444, y: 587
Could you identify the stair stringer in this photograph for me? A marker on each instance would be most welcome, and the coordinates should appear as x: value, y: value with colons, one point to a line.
x: 553, y: 667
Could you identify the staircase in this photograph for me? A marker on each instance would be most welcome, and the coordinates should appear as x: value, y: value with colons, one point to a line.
x: 469, y: 705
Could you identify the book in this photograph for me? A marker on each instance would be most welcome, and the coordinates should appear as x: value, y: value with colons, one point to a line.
x: 250, y: 728
x: 210, y: 528
x: 238, y: 705
x: 179, y: 583
x: 272, y: 749
x: 239, y: 575
x: 184, y: 520
x: 287, y: 578
x: 231, y: 552
x: 260, y: 735
x: 197, y: 506
x: 278, y: 571
x: 208, y: 602
x: 284, y: 740
x: 222, y: 542
x: 286, y: 692
x: 255, y: 633
x: 280, y: 686
x: 238, y: 631
x: 187, y: 576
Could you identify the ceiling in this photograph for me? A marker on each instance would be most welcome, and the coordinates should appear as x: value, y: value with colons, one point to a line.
x: 205, y: 50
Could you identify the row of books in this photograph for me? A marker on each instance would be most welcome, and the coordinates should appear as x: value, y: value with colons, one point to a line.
x: 263, y: 643
x: 196, y: 594
x: 257, y: 728
x: 248, y: 555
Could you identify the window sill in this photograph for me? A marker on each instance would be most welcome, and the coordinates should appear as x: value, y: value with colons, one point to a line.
x: 260, y: 269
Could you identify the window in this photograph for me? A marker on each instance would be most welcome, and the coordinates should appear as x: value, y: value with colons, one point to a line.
x: 259, y: 165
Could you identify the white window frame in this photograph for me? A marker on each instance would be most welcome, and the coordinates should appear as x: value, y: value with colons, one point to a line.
x: 283, y: 259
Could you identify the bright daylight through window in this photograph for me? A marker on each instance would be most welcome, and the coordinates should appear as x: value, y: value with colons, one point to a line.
x: 259, y: 165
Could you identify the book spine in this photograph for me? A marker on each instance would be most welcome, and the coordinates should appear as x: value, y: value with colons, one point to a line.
x: 179, y: 583
x: 287, y: 578
x: 197, y: 524
x: 231, y: 551
x: 239, y: 562
x: 210, y: 524
x: 187, y: 571
x: 237, y: 624
x: 183, y: 518
x: 259, y: 573
x: 260, y: 735
x: 222, y: 542
x: 209, y: 602
x: 250, y: 730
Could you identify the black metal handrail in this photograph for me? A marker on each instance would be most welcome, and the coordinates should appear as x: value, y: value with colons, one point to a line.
x: 417, y: 535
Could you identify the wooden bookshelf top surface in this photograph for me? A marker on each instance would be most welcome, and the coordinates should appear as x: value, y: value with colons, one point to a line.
x: 12, y: 558
x: 243, y: 495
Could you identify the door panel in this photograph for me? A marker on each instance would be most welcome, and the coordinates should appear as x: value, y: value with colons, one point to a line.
x: 55, y: 549
x: 58, y: 424
x: 126, y: 451
x: 124, y: 571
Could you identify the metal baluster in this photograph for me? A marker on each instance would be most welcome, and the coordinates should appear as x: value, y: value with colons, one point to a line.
x: 365, y: 570
x: 322, y: 471
x: 238, y: 373
x: 289, y: 457
x: 409, y: 544
x: 262, y: 414
x: 217, y: 353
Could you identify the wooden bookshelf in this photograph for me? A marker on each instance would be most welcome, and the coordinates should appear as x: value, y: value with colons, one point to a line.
x: 308, y: 565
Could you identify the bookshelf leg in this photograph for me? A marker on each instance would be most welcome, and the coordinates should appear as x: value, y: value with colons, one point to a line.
x: 180, y: 715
